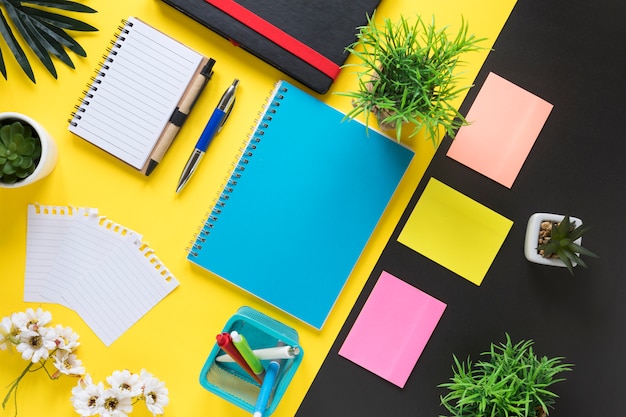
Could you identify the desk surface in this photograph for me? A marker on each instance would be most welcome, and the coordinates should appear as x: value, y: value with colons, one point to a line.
x: 173, y: 340
x: 568, y: 54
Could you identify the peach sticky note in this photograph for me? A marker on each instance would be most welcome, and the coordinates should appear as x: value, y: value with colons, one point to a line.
x: 455, y: 231
x: 392, y: 329
x: 505, y: 121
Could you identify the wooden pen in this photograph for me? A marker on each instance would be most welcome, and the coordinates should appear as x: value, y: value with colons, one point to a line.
x: 189, y: 98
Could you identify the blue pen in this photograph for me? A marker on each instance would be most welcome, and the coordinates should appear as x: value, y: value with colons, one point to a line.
x: 217, y: 120
x: 266, y: 389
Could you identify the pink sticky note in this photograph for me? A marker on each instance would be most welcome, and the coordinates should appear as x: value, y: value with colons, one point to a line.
x: 392, y: 329
x: 505, y: 121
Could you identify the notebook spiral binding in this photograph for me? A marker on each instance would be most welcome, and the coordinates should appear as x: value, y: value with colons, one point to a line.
x: 100, y: 72
x: 228, y: 187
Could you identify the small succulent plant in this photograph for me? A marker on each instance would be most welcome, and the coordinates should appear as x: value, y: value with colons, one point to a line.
x: 559, y: 241
x: 20, y: 151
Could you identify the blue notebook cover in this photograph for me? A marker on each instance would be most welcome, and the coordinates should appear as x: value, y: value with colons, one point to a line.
x: 301, y: 205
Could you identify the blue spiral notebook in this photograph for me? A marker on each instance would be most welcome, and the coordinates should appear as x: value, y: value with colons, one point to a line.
x: 300, y: 205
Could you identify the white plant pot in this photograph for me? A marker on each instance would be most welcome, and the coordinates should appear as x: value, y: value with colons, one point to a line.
x: 49, y: 151
x: 532, y: 237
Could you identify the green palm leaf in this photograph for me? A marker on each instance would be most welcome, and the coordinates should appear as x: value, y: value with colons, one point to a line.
x: 62, y: 5
x: 15, y: 47
x: 44, y: 31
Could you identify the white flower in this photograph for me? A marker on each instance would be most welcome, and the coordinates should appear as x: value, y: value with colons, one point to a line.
x: 116, y: 403
x: 66, y: 338
x: 36, y: 344
x: 154, y: 392
x: 6, y: 330
x: 30, y: 319
x: 125, y: 381
x: 87, y: 397
x: 67, y: 363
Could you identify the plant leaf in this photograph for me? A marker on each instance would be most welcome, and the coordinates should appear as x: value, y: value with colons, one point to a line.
x: 60, y: 36
x: 50, y: 44
x: 20, y: 20
x: 578, y: 232
x: 62, y: 4
x: 58, y: 20
x: 583, y: 251
x: 3, y: 68
x: 16, y: 49
x: 566, y: 258
x: 43, y: 31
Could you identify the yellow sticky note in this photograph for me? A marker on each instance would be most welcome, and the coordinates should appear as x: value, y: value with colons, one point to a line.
x: 455, y: 231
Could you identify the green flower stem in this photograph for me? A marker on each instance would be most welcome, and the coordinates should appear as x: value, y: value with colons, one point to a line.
x: 15, y: 383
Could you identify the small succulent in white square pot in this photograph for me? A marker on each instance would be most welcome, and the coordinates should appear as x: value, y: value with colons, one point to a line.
x: 556, y: 240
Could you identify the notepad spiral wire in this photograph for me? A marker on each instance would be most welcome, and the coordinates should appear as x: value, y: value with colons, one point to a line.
x: 100, y: 72
x: 228, y: 187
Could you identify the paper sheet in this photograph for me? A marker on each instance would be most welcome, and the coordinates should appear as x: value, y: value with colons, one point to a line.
x: 392, y: 329
x: 455, y: 231
x: 94, y: 266
x: 120, y: 289
x: 47, y: 228
x: 89, y: 240
x: 505, y: 121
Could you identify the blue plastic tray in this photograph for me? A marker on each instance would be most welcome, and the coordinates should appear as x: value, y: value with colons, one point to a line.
x: 230, y: 381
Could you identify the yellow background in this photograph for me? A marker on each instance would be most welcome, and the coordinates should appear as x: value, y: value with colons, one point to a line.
x: 173, y: 340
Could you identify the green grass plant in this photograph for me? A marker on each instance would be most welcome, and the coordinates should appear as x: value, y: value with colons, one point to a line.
x: 409, y: 75
x: 511, y: 382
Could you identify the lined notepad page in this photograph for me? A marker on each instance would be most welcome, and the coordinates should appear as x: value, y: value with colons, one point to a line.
x: 47, y: 227
x: 90, y: 240
x: 94, y: 266
x: 134, y: 281
x: 135, y: 92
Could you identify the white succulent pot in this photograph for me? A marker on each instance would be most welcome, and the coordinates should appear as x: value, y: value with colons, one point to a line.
x: 49, y: 150
x: 532, y: 238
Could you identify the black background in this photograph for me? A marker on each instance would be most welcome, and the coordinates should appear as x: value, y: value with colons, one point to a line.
x: 572, y: 55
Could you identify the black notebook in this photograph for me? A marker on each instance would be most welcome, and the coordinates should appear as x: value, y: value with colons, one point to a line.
x: 304, y: 39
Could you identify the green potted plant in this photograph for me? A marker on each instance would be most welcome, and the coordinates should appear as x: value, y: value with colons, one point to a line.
x: 27, y: 152
x: 554, y: 239
x: 511, y: 381
x: 43, y: 30
x: 409, y: 75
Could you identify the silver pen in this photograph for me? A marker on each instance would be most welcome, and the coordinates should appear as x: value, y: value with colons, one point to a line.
x: 214, y: 125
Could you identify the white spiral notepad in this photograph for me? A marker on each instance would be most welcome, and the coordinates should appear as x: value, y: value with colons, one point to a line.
x: 135, y: 92
x: 94, y: 266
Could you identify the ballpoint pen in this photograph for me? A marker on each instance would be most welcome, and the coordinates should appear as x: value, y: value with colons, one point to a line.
x: 180, y: 115
x: 214, y: 125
